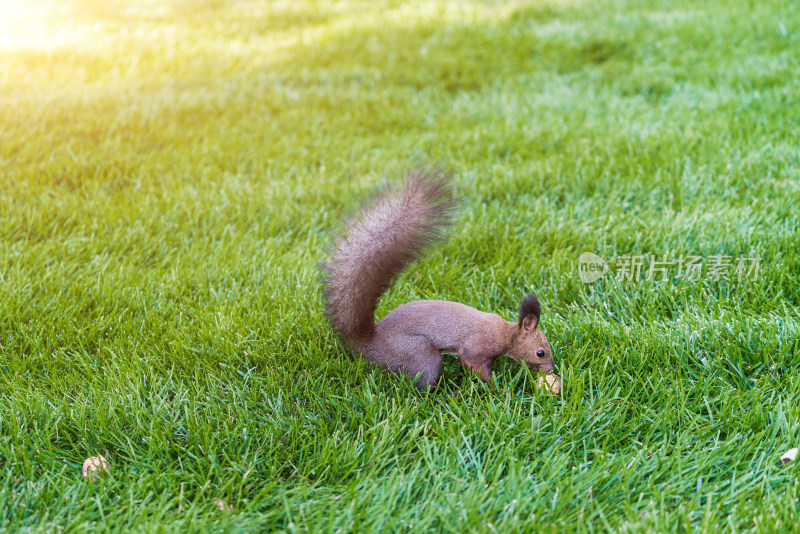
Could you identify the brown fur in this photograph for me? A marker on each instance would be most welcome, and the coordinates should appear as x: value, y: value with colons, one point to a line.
x: 390, y: 233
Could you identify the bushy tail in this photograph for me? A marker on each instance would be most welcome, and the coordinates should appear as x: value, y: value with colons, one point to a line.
x: 391, y: 232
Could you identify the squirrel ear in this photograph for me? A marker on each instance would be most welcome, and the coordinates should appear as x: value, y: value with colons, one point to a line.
x: 529, y: 313
x: 530, y: 323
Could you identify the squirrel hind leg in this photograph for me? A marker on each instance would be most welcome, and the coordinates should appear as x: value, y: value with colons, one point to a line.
x: 409, y: 355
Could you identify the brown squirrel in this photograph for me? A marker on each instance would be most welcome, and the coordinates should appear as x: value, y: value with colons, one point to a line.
x: 389, y: 234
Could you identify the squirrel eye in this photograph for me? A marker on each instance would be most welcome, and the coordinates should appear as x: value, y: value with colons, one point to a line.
x: 540, y: 353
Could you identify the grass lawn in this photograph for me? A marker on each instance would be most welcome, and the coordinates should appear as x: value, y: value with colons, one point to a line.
x: 171, y: 172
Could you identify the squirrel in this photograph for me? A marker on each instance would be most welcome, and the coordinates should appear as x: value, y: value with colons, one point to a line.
x: 390, y: 233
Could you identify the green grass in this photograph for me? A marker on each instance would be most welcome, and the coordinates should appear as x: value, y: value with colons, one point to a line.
x: 170, y: 173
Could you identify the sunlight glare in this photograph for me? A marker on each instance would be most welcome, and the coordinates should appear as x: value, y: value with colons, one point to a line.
x: 31, y: 25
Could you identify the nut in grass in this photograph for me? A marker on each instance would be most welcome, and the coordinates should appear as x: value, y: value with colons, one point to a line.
x: 789, y: 456
x: 223, y: 506
x: 95, y: 466
x: 549, y: 383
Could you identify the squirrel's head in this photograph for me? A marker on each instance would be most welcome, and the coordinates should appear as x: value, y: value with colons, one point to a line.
x: 530, y: 345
